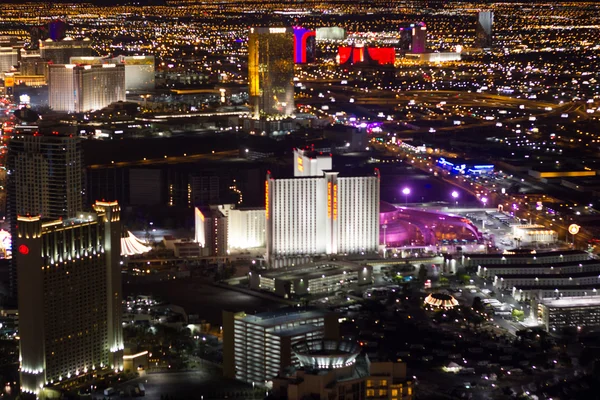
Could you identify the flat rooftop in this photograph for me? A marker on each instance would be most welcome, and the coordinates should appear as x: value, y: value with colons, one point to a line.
x: 542, y: 266
x: 572, y: 302
x: 561, y: 288
x: 551, y: 276
x: 532, y: 255
x: 281, y: 317
x: 313, y: 270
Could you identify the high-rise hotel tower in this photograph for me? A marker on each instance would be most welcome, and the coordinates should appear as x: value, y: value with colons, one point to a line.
x: 320, y: 212
x: 69, y: 288
x: 271, y: 71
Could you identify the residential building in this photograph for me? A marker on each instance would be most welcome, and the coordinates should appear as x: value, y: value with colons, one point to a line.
x: 257, y: 347
x: 574, y: 312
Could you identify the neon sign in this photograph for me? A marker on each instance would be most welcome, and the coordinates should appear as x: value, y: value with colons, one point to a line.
x: 329, y: 200
x: 267, y: 199
x: 335, y: 204
x: 300, y: 165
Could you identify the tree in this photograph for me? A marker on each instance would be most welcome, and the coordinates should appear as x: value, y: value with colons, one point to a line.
x: 518, y: 315
x: 444, y: 281
x: 477, y: 304
x: 422, y: 273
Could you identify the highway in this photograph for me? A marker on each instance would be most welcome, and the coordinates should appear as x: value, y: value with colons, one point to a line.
x: 559, y: 224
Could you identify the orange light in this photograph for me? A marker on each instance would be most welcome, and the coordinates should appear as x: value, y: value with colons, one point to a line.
x: 200, y: 214
x: 335, y: 208
x: 267, y: 198
x: 329, y: 200
x: 300, y: 165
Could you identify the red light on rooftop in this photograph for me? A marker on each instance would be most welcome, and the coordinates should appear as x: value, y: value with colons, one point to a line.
x: 23, y: 249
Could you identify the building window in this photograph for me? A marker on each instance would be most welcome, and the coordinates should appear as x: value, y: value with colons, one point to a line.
x: 394, y: 392
x: 369, y: 383
x: 370, y: 393
x: 384, y: 382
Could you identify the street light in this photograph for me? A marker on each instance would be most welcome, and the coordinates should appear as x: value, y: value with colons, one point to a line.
x: 406, y: 192
x: 455, y: 197
x: 484, y: 201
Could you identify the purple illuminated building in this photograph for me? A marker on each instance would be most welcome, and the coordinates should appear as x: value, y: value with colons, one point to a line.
x: 403, y: 226
x: 419, y: 38
x: 304, y: 45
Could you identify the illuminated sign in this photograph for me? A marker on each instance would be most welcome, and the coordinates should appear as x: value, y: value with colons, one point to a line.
x: 304, y: 45
x: 573, y: 229
x: 300, y: 165
x: 199, y: 213
x: 267, y: 199
x: 277, y: 30
x: 23, y: 249
x: 335, y: 204
x: 539, y: 206
x: 329, y: 200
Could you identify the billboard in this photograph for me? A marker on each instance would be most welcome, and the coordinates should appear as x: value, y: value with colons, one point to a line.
x: 331, y: 33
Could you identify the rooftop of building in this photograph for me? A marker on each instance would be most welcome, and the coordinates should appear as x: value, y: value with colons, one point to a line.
x: 313, y: 153
x: 281, y: 317
x: 561, y: 288
x: 532, y: 255
x: 313, y: 270
x: 550, y: 276
x: 568, y: 302
x: 542, y: 266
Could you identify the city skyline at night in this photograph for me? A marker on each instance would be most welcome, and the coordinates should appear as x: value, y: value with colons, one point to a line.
x: 332, y: 200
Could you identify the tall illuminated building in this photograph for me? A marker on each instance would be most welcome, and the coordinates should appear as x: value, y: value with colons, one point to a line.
x: 69, y: 296
x: 60, y: 51
x: 82, y: 88
x: 271, y: 71
x: 419, y: 38
x: 322, y: 213
x: 44, y: 177
x: 483, y: 30
x: 304, y: 45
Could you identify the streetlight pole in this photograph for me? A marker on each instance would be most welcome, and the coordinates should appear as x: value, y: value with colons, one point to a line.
x: 455, y: 197
x: 406, y: 192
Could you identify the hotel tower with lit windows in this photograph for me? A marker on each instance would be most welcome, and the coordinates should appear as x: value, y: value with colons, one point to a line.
x: 319, y: 212
x: 69, y: 288
x: 271, y: 71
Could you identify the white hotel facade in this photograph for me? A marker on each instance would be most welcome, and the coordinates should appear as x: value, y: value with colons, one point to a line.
x: 320, y: 213
x: 82, y: 88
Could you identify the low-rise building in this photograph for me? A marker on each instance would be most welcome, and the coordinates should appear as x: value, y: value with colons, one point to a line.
x: 312, y: 278
x: 575, y: 312
x: 534, y: 234
x: 337, y: 370
x: 570, y: 267
x: 533, y: 257
x: 507, y: 282
x: 534, y: 292
x: 257, y: 347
